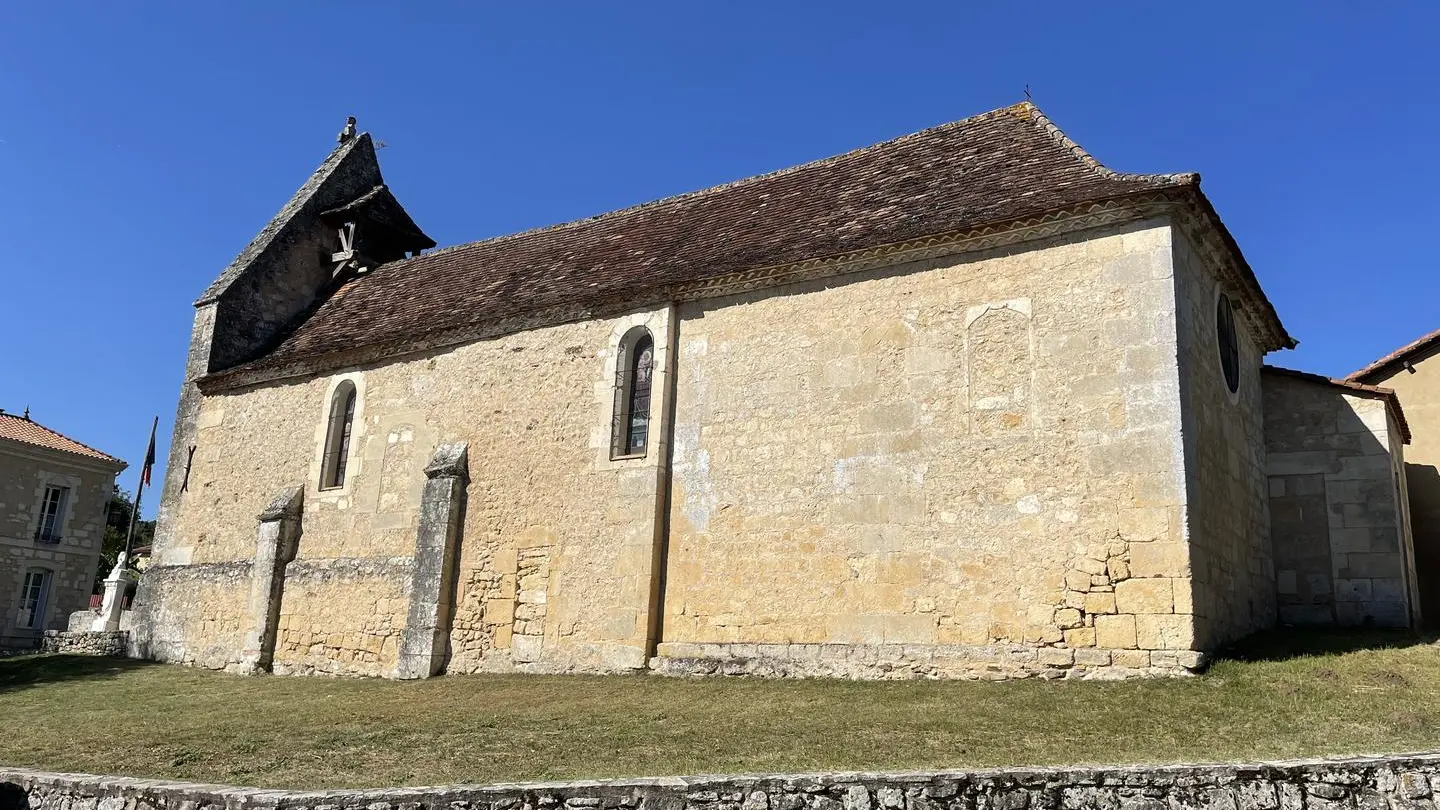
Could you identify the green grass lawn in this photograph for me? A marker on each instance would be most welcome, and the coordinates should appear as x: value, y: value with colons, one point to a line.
x: 1276, y: 698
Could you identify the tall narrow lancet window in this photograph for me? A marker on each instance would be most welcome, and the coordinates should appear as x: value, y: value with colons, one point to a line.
x: 634, y: 372
x: 337, y: 436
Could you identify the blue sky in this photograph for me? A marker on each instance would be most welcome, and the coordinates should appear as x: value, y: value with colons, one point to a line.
x: 143, y: 144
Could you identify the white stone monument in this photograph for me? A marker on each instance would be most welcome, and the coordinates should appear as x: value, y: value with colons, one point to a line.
x: 116, y: 585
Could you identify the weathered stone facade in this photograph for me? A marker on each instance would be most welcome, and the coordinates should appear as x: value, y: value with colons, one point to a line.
x: 1335, y: 460
x: 1408, y: 782
x: 1002, y: 452
x: 970, y: 473
x: 1223, y: 565
x: 984, y: 455
x: 68, y: 555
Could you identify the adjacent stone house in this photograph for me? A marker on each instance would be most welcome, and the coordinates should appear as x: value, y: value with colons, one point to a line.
x: 53, y: 495
x: 1413, y: 372
x: 962, y: 404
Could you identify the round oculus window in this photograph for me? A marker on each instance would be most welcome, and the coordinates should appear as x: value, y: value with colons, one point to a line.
x: 1229, y: 347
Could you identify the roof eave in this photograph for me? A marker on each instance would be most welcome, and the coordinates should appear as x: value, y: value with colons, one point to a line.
x: 1130, y: 207
x: 104, y: 460
x: 1388, y: 395
x: 1266, y: 318
x: 1398, y: 358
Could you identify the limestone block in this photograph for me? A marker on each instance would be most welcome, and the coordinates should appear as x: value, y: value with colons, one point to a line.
x: 1352, y: 590
x: 1141, y: 525
x: 1130, y: 659
x: 1184, y: 595
x: 1056, y: 657
x: 1377, y: 565
x: 1145, y: 596
x: 1068, y: 617
x: 1164, y: 632
x: 1387, y: 590
x: 1096, y: 603
x: 1118, y: 569
x: 1115, y: 632
x: 1159, y: 559
x: 1080, y: 637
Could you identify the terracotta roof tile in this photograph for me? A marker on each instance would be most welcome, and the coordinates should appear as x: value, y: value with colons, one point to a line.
x: 1392, y: 401
x: 993, y: 168
x: 1400, y: 355
x: 24, y: 430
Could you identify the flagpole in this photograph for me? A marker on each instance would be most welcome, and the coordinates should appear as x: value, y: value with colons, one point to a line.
x: 140, y: 491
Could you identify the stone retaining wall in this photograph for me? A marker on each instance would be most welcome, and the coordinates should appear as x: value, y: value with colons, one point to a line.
x: 86, y: 642
x: 1383, y: 783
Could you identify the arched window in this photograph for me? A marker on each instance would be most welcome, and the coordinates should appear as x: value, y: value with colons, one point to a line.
x: 634, y: 370
x: 34, y: 594
x: 337, y: 436
x: 1228, y: 343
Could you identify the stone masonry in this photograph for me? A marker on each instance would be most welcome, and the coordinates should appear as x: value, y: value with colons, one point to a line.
x: 85, y: 642
x: 70, y: 555
x: 1336, y: 488
x: 1002, y: 448
x: 1404, y: 782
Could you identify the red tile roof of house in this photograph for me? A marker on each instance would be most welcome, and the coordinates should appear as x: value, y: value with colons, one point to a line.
x: 25, y: 430
x: 999, y: 167
x: 1392, y: 401
x: 1400, y: 355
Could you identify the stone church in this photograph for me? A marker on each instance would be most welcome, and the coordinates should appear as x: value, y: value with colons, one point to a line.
x: 966, y: 403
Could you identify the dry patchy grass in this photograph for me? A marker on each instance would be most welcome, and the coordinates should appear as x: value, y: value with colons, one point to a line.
x: 1275, y: 698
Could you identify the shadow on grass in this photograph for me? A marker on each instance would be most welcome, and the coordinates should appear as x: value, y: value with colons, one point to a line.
x: 1284, y: 643
x: 25, y: 671
x: 12, y: 797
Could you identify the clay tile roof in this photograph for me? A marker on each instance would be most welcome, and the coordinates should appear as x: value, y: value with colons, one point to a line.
x: 25, y: 431
x: 1392, y: 401
x: 1400, y: 355
x: 993, y: 168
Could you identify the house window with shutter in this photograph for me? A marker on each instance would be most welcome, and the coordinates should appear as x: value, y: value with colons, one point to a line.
x: 634, y: 373
x: 337, y: 436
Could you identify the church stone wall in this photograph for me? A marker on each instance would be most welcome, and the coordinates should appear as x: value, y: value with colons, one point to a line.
x: 1343, y: 548
x: 193, y: 614
x: 554, y: 569
x: 342, y: 617
x: 965, y: 466
x: 1231, y: 587
x: 968, y: 466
